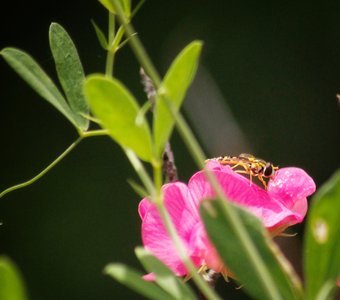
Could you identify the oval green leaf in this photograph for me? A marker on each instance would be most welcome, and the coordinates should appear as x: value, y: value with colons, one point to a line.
x: 70, y: 72
x: 33, y: 74
x: 164, y: 277
x: 11, y: 285
x: 173, y: 89
x: 322, y: 240
x: 117, y: 110
x: 276, y: 280
x: 135, y: 281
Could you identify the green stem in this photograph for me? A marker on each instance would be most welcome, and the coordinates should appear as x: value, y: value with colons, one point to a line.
x: 140, y: 170
x: 110, y: 54
x: 43, y: 172
x: 158, y: 180
x: 56, y: 161
x: 92, y: 133
x: 137, y: 46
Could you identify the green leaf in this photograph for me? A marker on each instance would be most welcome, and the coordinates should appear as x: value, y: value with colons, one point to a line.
x: 173, y: 88
x: 164, y: 277
x: 108, y: 5
x: 134, y: 280
x: 284, y: 283
x: 126, y: 6
x: 33, y: 74
x: 117, y: 110
x: 100, y: 35
x: 137, y: 8
x: 70, y: 72
x: 322, y: 240
x: 11, y: 285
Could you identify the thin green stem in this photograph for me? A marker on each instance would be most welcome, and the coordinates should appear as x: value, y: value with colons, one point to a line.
x: 158, y: 180
x: 137, y: 46
x: 116, y: 43
x: 110, y: 54
x: 137, y: 8
x: 43, y: 172
x: 140, y: 170
x: 82, y: 135
x: 92, y: 133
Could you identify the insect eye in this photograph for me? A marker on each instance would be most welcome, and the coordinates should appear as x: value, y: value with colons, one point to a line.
x: 268, y: 170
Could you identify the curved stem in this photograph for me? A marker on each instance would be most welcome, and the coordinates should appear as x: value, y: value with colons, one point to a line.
x: 43, y: 172
x: 56, y: 161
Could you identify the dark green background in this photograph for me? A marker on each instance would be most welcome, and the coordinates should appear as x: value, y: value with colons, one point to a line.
x: 278, y: 64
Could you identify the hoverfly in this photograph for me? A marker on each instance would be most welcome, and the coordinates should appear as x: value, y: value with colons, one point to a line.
x: 251, y: 165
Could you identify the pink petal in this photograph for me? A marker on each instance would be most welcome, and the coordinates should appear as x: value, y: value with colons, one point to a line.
x: 215, y: 165
x: 154, y: 235
x: 206, y: 249
x: 157, y: 241
x: 240, y: 190
x: 291, y: 186
x: 143, y: 207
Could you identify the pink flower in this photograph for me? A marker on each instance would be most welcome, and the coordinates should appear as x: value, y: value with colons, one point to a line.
x: 283, y: 204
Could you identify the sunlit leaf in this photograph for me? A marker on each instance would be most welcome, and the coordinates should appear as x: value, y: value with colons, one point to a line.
x: 164, y: 277
x: 11, y: 285
x: 135, y: 281
x: 237, y: 258
x: 322, y: 240
x: 173, y: 88
x: 117, y: 111
x: 70, y: 72
x: 34, y: 75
